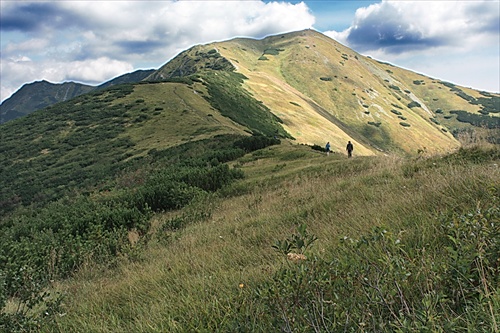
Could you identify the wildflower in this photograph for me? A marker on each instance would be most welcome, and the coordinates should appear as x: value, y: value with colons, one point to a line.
x: 241, y: 285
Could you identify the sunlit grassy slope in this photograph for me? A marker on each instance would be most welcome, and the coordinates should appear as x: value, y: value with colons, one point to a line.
x: 180, y: 113
x: 204, y: 276
x: 324, y: 91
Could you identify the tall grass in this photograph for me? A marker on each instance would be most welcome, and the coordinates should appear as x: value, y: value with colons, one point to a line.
x: 377, y: 218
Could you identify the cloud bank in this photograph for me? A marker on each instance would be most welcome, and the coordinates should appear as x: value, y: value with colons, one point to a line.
x: 452, y: 39
x: 93, y: 41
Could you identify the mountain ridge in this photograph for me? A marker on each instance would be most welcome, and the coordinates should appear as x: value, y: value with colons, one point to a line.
x: 40, y: 94
x: 385, y: 107
x: 323, y: 91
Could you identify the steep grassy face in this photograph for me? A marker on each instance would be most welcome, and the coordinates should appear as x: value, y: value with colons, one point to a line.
x: 339, y: 89
x: 324, y: 91
x: 224, y: 89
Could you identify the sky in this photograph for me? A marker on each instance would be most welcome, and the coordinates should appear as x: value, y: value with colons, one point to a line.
x: 94, y: 41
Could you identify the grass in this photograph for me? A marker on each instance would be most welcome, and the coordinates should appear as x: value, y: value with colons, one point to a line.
x: 204, y: 276
x: 331, y: 109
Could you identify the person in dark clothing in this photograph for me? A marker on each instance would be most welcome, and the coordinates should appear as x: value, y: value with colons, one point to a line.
x: 349, y: 149
x: 327, y: 148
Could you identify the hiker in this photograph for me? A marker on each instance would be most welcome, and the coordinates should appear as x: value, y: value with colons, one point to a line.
x: 349, y: 149
x: 327, y: 148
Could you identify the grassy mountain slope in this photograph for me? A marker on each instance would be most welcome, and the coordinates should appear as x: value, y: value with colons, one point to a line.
x: 83, y: 142
x: 383, y: 249
x: 323, y: 91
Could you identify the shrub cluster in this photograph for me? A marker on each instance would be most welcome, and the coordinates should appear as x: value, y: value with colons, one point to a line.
x: 42, y: 245
x: 478, y: 120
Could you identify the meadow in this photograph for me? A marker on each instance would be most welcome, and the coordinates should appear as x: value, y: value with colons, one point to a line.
x: 310, y: 243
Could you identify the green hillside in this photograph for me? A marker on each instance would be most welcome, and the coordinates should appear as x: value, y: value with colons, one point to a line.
x: 303, y: 241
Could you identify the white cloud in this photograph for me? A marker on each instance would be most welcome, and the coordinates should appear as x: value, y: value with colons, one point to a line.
x: 95, y: 70
x: 17, y: 71
x: 93, y: 40
x: 451, y: 40
x: 402, y: 26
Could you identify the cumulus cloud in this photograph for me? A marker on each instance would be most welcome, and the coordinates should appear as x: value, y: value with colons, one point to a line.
x: 456, y: 41
x: 395, y: 27
x: 17, y: 71
x: 72, y: 39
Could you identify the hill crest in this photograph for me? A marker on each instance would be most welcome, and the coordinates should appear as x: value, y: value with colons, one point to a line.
x: 323, y: 91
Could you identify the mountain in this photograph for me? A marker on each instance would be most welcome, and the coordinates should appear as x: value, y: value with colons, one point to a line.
x: 302, y: 87
x: 38, y: 95
x: 186, y: 194
x: 323, y: 91
x: 135, y: 76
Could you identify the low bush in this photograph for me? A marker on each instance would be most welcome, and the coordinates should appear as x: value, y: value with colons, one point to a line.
x: 414, y: 104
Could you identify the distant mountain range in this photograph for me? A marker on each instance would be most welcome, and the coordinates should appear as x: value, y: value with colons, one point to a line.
x: 40, y: 94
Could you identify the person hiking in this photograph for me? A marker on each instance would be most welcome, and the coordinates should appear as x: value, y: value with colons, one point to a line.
x: 349, y: 149
x: 327, y: 148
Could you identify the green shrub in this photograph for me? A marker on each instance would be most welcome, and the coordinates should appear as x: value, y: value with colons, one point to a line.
x: 404, y: 124
x: 478, y: 120
x: 375, y: 123
x: 272, y: 51
x: 254, y: 142
x: 413, y: 104
x: 318, y: 148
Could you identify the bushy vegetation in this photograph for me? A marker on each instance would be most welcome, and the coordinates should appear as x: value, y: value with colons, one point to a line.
x: 414, y: 104
x: 61, y: 151
x: 478, y: 120
x: 292, y: 252
x: 51, y: 243
x: 272, y: 51
x: 228, y: 96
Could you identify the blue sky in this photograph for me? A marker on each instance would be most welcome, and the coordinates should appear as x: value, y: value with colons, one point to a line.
x: 94, y: 41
